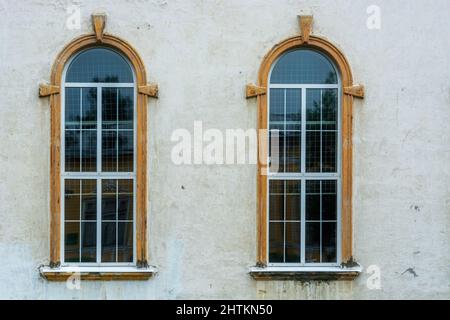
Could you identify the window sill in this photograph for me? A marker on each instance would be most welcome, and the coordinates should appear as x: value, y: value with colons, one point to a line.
x: 97, y: 273
x: 305, y: 273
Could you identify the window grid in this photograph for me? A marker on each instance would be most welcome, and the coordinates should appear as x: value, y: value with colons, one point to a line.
x: 97, y: 174
x: 303, y: 175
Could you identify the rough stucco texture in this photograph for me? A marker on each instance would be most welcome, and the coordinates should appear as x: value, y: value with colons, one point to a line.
x: 202, y: 53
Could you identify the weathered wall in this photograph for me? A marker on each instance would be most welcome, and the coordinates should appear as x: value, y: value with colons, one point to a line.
x: 202, y: 53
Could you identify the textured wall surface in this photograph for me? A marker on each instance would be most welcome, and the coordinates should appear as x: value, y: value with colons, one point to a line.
x: 202, y: 53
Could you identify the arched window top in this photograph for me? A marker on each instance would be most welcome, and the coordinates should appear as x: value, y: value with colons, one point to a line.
x: 303, y: 66
x: 99, y: 65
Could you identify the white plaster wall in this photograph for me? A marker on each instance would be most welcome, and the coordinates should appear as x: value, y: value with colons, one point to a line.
x: 202, y: 53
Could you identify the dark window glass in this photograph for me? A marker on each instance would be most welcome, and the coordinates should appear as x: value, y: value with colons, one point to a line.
x: 99, y: 65
x: 303, y: 67
x: 329, y: 242
x: 88, y: 242
x: 125, y: 242
x: 109, y: 242
x: 312, y: 242
x: 292, y: 242
x: 72, y: 109
x: 125, y: 200
x: 276, y: 242
x: 72, y: 242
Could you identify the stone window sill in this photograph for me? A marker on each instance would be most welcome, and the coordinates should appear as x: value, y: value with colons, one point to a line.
x: 97, y: 273
x: 305, y: 273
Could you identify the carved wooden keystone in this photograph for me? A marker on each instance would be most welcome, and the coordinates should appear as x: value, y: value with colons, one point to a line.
x: 99, y: 23
x: 305, y: 23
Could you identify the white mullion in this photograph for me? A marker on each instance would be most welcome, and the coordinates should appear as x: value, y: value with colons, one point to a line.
x: 284, y: 133
x: 303, y: 173
x: 320, y: 217
x: 284, y: 223
x: 304, y: 86
x: 98, y: 178
x: 81, y: 130
x: 303, y: 132
x: 81, y: 170
x: 117, y: 129
x: 105, y: 175
x: 302, y: 218
x: 117, y: 219
x: 79, y: 222
x: 321, y: 138
x: 284, y: 169
x: 98, y: 85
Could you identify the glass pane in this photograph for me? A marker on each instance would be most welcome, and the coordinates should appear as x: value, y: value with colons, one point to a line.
x: 109, y: 151
x: 89, y: 200
x: 125, y: 200
x: 276, y: 200
x: 125, y: 242
x: 276, y: 116
x: 72, y: 242
x: 125, y: 151
x: 89, y: 152
x: 329, y: 242
x: 89, y: 108
x: 303, y: 66
x: 72, y: 151
x: 109, y: 197
x: 312, y: 205
x: 329, y: 109
x: 293, y: 200
x: 329, y: 200
x: 292, y: 151
x: 313, y: 109
x: 72, y: 108
x: 108, y: 242
x: 313, y: 151
x: 88, y: 242
x: 72, y: 199
x: 293, y: 109
x: 292, y: 242
x: 329, y: 148
x: 99, y: 65
x: 125, y: 116
x: 109, y: 108
x: 312, y: 242
x: 276, y: 242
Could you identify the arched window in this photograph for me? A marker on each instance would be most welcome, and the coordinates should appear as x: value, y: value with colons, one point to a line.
x: 98, y: 181
x: 305, y: 98
x: 98, y: 159
x: 304, y: 113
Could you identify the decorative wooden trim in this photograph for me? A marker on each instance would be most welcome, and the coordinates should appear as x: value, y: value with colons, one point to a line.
x: 340, y: 61
x: 356, y: 91
x: 305, y: 23
x: 46, y: 90
x: 75, y: 46
x: 150, y: 90
x: 99, y: 24
x: 252, y: 91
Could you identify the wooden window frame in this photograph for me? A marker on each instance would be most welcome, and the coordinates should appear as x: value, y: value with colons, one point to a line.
x: 348, y: 91
x: 142, y: 271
